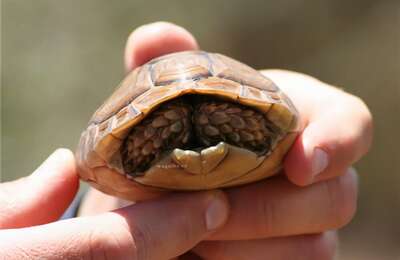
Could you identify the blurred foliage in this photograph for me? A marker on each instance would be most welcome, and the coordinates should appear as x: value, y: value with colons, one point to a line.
x: 61, y: 59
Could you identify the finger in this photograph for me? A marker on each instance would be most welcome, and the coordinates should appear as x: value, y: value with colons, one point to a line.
x: 155, y: 39
x: 276, y: 208
x: 338, y: 128
x: 96, y: 202
x: 41, y: 197
x: 159, y: 229
x: 307, y: 247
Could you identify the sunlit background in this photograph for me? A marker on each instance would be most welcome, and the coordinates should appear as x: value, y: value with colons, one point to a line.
x: 61, y: 59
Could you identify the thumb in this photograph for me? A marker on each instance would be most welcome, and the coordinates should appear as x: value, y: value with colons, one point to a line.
x: 159, y: 229
x: 41, y: 197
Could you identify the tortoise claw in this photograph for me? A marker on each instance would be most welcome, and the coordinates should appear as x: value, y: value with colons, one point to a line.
x: 187, y: 159
x: 203, y: 162
x: 212, y: 156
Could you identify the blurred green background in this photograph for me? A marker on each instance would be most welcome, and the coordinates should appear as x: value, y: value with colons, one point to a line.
x: 61, y: 59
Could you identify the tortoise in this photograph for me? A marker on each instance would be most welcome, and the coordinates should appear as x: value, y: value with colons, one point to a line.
x: 189, y: 120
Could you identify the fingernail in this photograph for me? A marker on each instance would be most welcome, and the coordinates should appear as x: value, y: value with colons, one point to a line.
x: 320, y: 161
x: 217, y: 213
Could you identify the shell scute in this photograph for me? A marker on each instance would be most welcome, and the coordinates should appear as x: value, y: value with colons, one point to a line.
x: 281, y: 115
x: 254, y: 97
x: 136, y: 83
x: 175, y: 68
x: 217, y: 86
x: 124, y: 119
x: 153, y: 97
x: 229, y: 68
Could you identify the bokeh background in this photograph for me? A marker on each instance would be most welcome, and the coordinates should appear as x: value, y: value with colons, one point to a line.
x: 61, y: 59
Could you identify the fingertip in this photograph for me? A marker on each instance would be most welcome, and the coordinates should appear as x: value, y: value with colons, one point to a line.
x: 45, y: 194
x: 332, y: 242
x: 57, y: 175
x: 326, y: 149
x: 323, y: 245
x: 349, y: 182
x: 353, y: 173
x: 297, y: 165
x: 156, y: 39
x: 67, y: 158
x: 64, y: 153
x: 60, y: 164
x: 309, y: 156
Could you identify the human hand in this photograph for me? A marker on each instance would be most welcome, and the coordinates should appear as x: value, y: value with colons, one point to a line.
x: 160, y: 229
x: 285, y: 217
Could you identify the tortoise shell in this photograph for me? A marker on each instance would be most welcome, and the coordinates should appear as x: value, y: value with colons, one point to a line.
x: 171, y: 77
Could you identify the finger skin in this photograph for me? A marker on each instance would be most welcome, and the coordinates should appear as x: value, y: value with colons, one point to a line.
x: 41, y: 197
x: 307, y: 247
x: 160, y: 229
x: 156, y: 39
x: 336, y: 123
x: 276, y: 208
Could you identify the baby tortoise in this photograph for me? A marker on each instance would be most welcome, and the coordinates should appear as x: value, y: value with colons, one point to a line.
x: 187, y: 121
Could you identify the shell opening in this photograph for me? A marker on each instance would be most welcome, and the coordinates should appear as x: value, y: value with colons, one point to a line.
x: 195, y: 123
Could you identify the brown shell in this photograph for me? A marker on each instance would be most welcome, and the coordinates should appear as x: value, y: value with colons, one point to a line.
x: 162, y: 79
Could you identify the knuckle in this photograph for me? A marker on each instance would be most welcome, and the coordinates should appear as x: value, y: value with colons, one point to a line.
x: 364, y: 126
x: 357, y: 102
x: 268, y: 217
x: 142, y: 242
x: 187, y: 233
x: 96, y: 245
x: 342, y: 199
x: 111, y: 240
